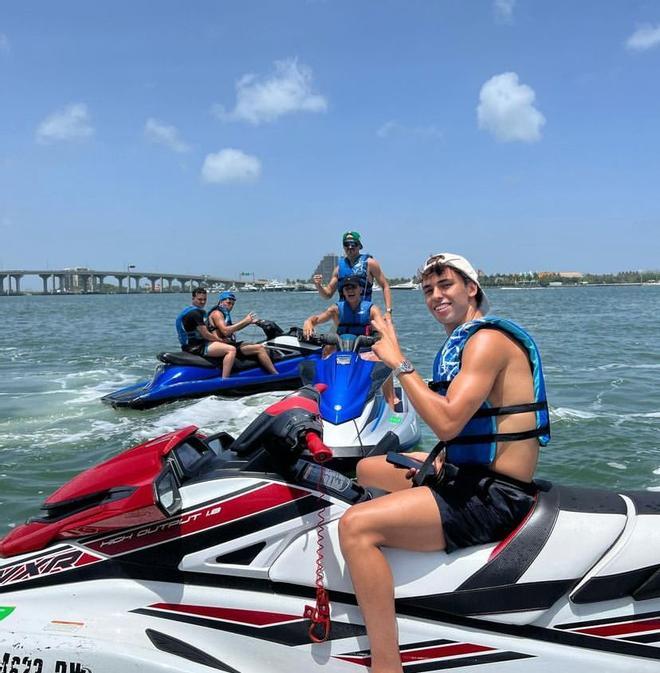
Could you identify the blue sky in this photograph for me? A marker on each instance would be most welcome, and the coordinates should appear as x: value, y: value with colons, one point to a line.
x: 220, y: 137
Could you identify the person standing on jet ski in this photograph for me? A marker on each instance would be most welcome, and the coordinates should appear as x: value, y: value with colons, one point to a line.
x: 219, y: 322
x: 195, y: 337
x: 487, y: 404
x: 355, y: 264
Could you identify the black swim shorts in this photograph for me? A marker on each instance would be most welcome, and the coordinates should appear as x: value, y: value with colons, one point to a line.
x: 478, y: 506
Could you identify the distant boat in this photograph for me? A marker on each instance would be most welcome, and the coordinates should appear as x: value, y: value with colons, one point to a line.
x: 248, y: 287
x: 408, y: 285
x: 277, y: 286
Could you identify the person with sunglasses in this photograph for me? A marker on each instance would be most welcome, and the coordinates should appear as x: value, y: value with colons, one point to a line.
x: 352, y: 315
x: 487, y: 405
x: 355, y: 264
x: 219, y: 322
x: 195, y: 336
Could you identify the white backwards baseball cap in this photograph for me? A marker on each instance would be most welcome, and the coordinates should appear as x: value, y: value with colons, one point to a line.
x: 460, y: 264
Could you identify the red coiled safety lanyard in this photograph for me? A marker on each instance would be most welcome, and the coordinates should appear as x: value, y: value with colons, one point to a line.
x: 319, y: 614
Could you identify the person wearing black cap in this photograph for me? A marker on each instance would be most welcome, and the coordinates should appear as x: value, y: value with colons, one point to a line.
x: 487, y: 405
x: 219, y: 322
x: 356, y: 264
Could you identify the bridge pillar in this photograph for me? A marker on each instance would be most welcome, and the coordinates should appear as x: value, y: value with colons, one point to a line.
x: 2, y: 283
x: 169, y: 284
x: 99, y: 281
x: 183, y: 282
x: 44, y: 277
x: 17, y: 280
x: 120, y: 281
x: 153, y: 280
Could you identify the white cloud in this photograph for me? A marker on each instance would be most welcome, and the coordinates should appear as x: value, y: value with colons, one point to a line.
x: 230, y: 165
x: 504, y: 9
x: 4, y: 43
x: 506, y: 109
x: 163, y: 134
x: 394, y: 128
x: 70, y: 123
x: 287, y: 90
x: 645, y: 37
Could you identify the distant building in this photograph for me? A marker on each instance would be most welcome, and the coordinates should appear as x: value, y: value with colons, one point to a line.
x: 575, y: 275
x: 326, y: 266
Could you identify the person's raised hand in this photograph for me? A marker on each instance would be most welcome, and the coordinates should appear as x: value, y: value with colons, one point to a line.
x: 387, y: 347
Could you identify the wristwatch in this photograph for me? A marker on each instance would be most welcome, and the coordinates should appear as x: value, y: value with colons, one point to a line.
x: 405, y: 367
x: 388, y: 310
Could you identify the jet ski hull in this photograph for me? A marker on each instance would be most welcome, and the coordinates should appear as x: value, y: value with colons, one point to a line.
x: 177, y: 379
x: 192, y: 553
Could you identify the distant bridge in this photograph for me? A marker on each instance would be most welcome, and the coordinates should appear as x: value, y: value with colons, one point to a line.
x: 83, y: 280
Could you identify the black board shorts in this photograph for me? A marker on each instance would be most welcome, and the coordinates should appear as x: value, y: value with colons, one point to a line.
x: 478, y: 506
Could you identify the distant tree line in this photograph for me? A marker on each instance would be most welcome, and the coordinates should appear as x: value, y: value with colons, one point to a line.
x: 546, y: 278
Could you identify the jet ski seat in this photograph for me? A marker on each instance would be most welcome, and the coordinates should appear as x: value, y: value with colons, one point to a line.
x: 183, y: 359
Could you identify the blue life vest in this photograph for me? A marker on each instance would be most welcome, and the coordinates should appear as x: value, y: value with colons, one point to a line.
x: 227, y: 316
x: 187, y: 336
x: 354, y: 322
x: 477, y: 441
x: 360, y: 269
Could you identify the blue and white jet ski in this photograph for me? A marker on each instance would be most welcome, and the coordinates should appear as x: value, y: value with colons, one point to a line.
x: 200, y: 554
x: 355, y: 414
x: 184, y: 375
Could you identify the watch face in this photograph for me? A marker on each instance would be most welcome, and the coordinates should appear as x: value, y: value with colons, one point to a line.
x: 406, y: 366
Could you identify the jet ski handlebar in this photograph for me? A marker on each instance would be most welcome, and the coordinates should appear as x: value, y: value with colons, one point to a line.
x: 344, y: 343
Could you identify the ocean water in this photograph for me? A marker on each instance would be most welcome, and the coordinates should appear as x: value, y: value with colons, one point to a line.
x: 60, y: 354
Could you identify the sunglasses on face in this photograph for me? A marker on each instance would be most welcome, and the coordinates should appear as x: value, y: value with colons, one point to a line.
x: 350, y: 245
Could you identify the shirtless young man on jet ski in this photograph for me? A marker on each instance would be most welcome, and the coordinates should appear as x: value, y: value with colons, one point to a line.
x: 483, y: 385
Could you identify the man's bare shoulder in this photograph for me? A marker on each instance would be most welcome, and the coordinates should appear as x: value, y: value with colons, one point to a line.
x: 490, y: 345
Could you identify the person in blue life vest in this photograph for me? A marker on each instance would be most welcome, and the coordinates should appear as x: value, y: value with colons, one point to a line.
x: 220, y: 322
x: 355, y: 264
x: 351, y: 315
x: 487, y: 405
x: 195, y: 337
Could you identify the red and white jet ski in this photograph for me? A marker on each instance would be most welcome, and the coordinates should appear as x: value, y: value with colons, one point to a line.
x: 197, y: 554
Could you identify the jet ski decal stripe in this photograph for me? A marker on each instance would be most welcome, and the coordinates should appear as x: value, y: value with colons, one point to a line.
x: 451, y: 649
x: 640, y: 628
x: 255, y: 618
x: 51, y: 563
x: 610, y: 620
x: 291, y: 633
x: 179, y: 648
x: 211, y: 516
x: 621, y: 630
x: 450, y: 655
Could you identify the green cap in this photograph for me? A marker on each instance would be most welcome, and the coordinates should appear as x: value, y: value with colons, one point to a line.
x: 351, y: 237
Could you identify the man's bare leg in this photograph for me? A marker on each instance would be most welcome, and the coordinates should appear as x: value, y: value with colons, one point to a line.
x: 406, y: 520
x: 259, y: 351
x: 217, y: 349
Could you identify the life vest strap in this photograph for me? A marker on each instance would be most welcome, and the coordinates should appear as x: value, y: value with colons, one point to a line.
x: 500, y: 436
